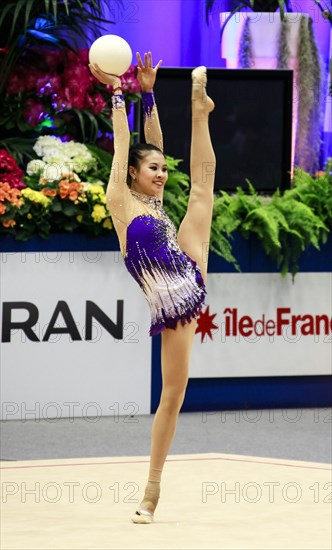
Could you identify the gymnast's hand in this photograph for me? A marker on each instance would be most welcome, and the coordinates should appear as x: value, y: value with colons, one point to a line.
x: 146, y: 74
x: 105, y: 78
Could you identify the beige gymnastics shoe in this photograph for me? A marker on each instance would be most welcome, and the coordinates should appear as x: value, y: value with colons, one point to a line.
x: 199, y: 80
x: 142, y: 516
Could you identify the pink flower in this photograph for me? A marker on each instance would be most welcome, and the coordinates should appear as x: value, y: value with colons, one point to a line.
x: 14, y: 181
x: 84, y: 56
x: 10, y: 171
x: 129, y: 81
x: 73, y: 95
x: 95, y: 103
x: 23, y: 79
x: 15, y: 84
x: 34, y: 112
x: 53, y: 58
x: 76, y: 70
x: 77, y: 81
x: 32, y: 77
x: 131, y: 86
x: 60, y: 102
x: 48, y: 84
x: 8, y: 163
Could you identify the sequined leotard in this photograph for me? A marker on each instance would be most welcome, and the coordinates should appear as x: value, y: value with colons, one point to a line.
x: 171, y: 281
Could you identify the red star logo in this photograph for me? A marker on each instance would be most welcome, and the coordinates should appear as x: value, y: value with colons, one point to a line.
x: 205, y: 323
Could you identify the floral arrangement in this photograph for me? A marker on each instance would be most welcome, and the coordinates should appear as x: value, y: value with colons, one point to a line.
x: 58, y: 95
x: 61, y: 192
x: 64, y: 191
x: 63, y: 81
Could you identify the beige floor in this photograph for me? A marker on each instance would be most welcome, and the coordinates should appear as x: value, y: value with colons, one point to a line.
x: 211, y: 501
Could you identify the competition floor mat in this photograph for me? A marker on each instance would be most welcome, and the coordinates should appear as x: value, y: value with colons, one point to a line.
x: 208, y: 501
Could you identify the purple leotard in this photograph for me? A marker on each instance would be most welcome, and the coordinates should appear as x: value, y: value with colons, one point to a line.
x: 171, y: 281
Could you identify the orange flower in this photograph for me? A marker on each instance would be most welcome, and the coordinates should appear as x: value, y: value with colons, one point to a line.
x: 63, y: 187
x: 9, y: 223
x: 17, y: 202
x: 70, y: 189
x: 5, y: 186
x: 10, y: 194
x: 14, y: 194
x: 73, y: 195
x: 48, y: 192
x: 4, y: 191
x: 2, y: 208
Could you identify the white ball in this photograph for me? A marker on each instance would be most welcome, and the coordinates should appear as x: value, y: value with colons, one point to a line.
x: 111, y: 53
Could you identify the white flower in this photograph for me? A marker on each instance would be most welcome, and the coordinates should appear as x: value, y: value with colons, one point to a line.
x: 63, y: 157
x: 74, y: 148
x: 83, y: 162
x: 47, y: 145
x: 52, y: 172
x: 56, y: 158
x: 35, y: 167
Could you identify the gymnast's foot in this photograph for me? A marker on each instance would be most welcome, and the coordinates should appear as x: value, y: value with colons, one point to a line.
x: 199, y: 95
x: 146, y: 509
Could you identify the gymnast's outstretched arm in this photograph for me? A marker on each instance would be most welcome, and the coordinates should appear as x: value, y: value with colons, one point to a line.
x: 118, y: 197
x: 146, y: 76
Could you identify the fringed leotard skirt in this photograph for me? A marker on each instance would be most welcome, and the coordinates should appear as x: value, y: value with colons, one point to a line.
x: 171, y: 281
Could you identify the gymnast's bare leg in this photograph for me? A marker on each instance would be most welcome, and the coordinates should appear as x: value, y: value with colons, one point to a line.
x: 193, y: 238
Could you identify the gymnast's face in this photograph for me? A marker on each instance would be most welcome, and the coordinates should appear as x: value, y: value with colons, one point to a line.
x: 151, y: 176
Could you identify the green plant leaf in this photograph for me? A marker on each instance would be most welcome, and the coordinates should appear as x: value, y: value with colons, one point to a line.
x: 93, y: 125
x: 69, y: 210
x: 28, y: 7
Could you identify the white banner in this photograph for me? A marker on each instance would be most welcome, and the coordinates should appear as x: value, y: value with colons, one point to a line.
x: 75, y: 337
x: 74, y: 333
x: 260, y: 324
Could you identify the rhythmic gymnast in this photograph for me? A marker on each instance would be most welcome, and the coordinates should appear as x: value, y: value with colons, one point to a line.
x: 170, y: 268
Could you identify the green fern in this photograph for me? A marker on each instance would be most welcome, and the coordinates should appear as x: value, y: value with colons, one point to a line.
x: 285, y: 224
x: 265, y: 224
x: 222, y: 246
x: 315, y: 193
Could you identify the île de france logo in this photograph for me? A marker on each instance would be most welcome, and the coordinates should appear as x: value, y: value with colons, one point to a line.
x: 205, y: 324
x: 283, y: 322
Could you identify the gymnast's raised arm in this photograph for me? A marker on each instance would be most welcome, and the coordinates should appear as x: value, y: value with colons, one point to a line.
x: 146, y: 76
x: 118, y: 197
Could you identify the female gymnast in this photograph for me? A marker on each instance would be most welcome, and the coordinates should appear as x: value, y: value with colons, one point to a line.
x: 171, y: 269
